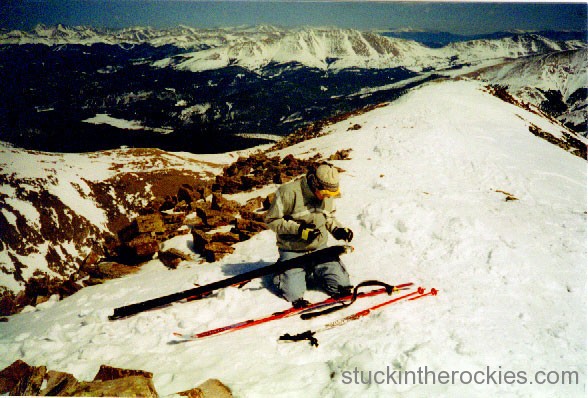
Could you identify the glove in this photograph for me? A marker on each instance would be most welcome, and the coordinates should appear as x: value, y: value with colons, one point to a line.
x: 308, y: 232
x: 343, y: 234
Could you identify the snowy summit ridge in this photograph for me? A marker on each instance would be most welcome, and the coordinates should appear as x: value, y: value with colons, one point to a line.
x: 447, y: 188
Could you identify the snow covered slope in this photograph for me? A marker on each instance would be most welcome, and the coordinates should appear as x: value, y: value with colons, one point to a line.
x: 558, y: 81
x: 57, y: 208
x: 425, y: 193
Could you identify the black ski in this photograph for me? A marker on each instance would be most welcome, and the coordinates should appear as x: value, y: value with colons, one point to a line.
x: 311, y: 259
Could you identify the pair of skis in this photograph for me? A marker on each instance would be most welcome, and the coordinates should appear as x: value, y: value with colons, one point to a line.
x: 329, y: 302
x: 310, y: 335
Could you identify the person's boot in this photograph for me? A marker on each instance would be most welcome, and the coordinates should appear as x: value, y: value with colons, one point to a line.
x: 300, y: 303
x: 343, y: 291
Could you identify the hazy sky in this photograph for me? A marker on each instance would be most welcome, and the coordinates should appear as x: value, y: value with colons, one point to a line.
x: 458, y: 17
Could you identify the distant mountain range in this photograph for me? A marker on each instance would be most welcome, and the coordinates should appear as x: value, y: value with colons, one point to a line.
x: 334, y: 49
x: 212, y: 90
x: 440, y: 39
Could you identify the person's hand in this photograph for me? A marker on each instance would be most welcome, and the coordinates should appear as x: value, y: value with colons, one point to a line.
x: 308, y: 232
x: 343, y: 234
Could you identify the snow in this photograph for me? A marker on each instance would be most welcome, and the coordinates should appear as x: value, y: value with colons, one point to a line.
x: 103, y: 118
x: 25, y: 209
x: 421, y: 193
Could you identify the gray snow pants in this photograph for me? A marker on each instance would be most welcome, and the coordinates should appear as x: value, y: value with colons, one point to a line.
x: 292, y: 283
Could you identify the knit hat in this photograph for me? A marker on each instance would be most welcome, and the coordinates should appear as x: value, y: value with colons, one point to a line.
x: 327, y: 177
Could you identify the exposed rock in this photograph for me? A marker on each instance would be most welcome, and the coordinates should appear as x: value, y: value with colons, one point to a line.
x: 150, y: 223
x: 57, y: 382
x: 211, y: 388
x: 172, y: 258
x: 509, y: 196
x: 253, y: 204
x: 342, y: 154
x: 187, y: 194
x: 247, y: 228
x: 568, y: 143
x: 108, y: 270
x: 130, y: 386
x: 22, y: 379
x: 8, y: 305
x: 142, y: 247
x: 41, y: 287
x: 214, y: 251
x: 106, y: 373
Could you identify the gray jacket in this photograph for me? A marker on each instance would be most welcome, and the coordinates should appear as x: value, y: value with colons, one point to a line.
x: 294, y: 204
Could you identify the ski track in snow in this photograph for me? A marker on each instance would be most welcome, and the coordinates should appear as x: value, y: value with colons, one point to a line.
x: 420, y: 193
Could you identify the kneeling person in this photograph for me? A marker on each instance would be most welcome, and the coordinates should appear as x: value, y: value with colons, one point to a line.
x: 302, y: 216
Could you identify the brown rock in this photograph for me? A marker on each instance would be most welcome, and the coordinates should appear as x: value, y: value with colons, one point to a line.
x: 22, y: 379
x: 150, y: 223
x: 217, y: 201
x: 67, y: 288
x: 214, y: 251
x: 200, y: 240
x: 57, y: 382
x: 172, y: 258
x: 130, y: 386
x: 91, y: 259
x: 211, y: 388
x: 254, y: 216
x: 106, y: 373
x: 342, y: 154
x: 173, y: 218
x: 169, y: 203
x: 8, y: 305
x: 186, y: 193
x: 249, y: 225
x: 143, y: 246
x: 111, y: 270
x: 226, y: 237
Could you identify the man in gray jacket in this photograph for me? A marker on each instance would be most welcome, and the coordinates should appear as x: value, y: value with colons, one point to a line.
x: 302, y: 215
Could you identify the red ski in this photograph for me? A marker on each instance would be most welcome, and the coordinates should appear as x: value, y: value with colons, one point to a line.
x: 309, y: 334
x: 285, y: 313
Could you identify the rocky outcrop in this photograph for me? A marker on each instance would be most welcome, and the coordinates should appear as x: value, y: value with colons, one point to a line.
x: 180, y: 204
x: 21, y: 379
x: 204, y: 208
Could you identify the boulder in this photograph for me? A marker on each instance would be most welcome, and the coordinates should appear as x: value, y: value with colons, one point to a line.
x: 22, y: 379
x: 211, y: 388
x: 150, y: 223
x: 106, y: 373
x: 130, y: 386
x: 187, y: 194
x: 108, y: 270
x: 214, y: 251
x: 142, y: 246
x: 172, y: 258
